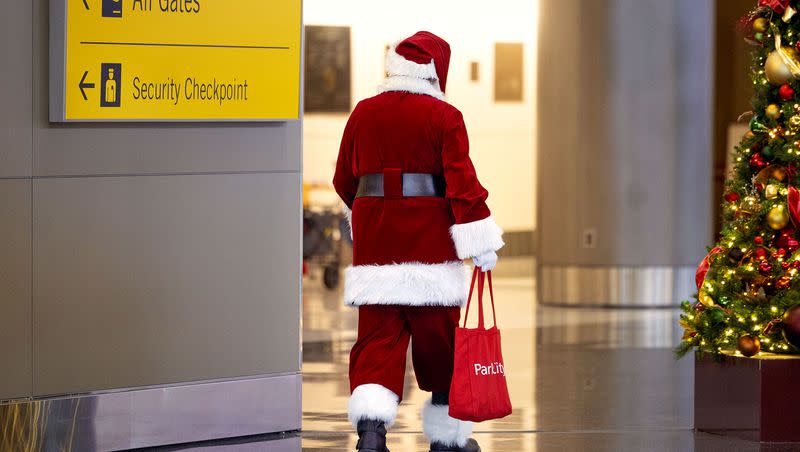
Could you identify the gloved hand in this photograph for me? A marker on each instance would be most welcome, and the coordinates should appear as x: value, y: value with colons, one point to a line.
x: 486, y: 261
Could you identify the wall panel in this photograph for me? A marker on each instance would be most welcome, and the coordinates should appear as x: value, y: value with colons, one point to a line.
x: 15, y: 78
x: 154, y: 280
x: 15, y: 288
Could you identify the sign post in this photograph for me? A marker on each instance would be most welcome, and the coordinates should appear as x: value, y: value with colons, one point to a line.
x: 174, y: 60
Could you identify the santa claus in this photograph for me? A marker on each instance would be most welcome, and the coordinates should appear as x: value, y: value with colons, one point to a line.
x: 417, y: 210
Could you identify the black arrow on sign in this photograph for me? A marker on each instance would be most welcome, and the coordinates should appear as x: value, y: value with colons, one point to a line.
x: 86, y: 5
x: 83, y: 85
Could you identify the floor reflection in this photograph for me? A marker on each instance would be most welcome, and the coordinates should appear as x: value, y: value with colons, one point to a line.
x: 580, y: 380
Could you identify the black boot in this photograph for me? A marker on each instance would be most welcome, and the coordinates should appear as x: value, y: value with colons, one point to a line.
x: 371, y: 436
x: 471, y: 446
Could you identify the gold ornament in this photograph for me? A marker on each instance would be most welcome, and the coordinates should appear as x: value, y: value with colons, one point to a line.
x: 760, y: 25
x: 748, y: 135
x: 776, y: 70
x: 749, y: 205
x: 778, y: 217
x: 779, y: 173
x: 704, y: 298
x: 773, y: 111
x: 771, y: 191
x: 771, y: 172
x: 749, y: 345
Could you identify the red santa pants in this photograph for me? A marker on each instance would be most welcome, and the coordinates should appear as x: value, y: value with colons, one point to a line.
x: 379, y: 354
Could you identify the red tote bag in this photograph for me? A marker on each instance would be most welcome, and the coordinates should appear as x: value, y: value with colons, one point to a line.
x: 479, y: 391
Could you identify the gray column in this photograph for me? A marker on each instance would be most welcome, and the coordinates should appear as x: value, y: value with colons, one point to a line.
x: 625, y: 130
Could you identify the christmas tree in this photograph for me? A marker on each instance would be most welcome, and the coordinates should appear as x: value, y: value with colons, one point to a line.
x: 748, y: 296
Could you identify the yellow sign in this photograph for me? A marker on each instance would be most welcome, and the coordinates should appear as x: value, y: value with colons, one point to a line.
x: 181, y: 60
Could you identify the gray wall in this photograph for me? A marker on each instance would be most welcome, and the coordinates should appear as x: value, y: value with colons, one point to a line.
x: 137, y: 255
x: 625, y: 131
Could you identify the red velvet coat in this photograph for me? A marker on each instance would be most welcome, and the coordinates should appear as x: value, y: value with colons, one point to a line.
x: 409, y: 251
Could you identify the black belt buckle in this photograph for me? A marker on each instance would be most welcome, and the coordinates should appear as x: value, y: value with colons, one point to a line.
x: 423, y: 185
x: 370, y: 185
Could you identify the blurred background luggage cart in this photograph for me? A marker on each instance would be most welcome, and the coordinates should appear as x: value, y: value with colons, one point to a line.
x: 326, y: 234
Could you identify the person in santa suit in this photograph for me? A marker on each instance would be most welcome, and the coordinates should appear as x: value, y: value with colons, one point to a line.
x: 417, y: 211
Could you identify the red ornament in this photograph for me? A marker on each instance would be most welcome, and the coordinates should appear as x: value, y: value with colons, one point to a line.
x: 793, y: 200
x: 796, y: 264
x: 759, y: 186
x: 780, y: 253
x: 786, y: 93
x: 757, y: 162
x: 759, y: 240
x: 785, y: 265
x: 765, y: 268
x: 784, y: 282
x: 786, y: 240
x: 732, y: 197
x: 779, y: 6
x: 791, y: 326
x: 761, y: 253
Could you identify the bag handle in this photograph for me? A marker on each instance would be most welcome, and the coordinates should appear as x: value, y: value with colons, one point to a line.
x: 491, y: 296
x: 469, y: 297
x: 480, y: 276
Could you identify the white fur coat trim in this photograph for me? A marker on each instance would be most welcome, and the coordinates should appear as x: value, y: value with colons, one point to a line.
x: 373, y: 402
x: 411, y: 85
x: 410, y: 284
x: 476, y: 238
x: 396, y: 64
x: 440, y: 427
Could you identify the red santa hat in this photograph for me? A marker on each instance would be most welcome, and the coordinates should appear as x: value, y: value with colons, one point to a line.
x: 421, y: 56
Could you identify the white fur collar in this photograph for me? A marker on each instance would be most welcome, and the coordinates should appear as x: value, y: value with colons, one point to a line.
x: 411, y: 85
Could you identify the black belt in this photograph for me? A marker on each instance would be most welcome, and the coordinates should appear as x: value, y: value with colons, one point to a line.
x: 413, y: 184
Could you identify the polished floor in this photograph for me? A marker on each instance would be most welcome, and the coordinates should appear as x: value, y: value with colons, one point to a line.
x: 580, y: 380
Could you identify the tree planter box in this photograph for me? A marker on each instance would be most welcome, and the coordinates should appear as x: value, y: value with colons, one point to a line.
x: 757, y: 399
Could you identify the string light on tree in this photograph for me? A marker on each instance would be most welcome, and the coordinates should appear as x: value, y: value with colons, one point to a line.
x: 748, y: 297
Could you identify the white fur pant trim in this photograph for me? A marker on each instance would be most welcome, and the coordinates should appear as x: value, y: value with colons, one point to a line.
x: 440, y: 427
x: 373, y: 402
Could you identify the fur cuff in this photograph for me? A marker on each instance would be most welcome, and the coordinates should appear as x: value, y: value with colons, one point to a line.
x: 440, y: 427
x: 410, y: 284
x: 348, y: 214
x: 373, y: 402
x: 411, y: 85
x: 476, y: 238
